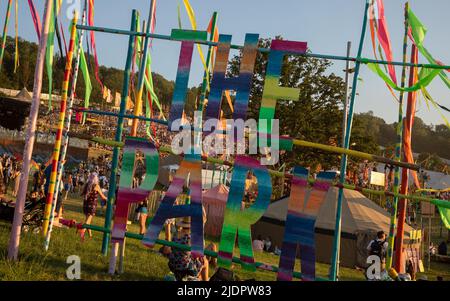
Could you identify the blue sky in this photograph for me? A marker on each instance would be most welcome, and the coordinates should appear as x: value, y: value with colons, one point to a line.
x: 326, y: 25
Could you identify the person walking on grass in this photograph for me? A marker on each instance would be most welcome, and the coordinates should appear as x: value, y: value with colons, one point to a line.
x: 17, y: 175
x: 378, y: 247
x: 91, y: 192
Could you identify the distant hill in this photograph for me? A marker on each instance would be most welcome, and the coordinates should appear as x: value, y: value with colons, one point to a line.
x: 425, y: 138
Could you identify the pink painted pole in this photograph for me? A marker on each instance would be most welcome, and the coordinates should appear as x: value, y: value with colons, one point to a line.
x: 14, y: 241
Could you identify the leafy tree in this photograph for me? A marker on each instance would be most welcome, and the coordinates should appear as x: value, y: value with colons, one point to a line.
x: 316, y: 116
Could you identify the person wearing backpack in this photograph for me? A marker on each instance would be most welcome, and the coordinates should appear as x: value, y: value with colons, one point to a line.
x: 379, y: 248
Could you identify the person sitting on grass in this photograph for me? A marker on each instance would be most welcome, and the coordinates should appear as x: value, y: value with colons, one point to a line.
x: 91, y: 192
x: 181, y: 263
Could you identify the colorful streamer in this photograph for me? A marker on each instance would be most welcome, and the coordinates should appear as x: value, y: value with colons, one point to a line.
x: 241, y: 84
x: 374, y: 27
x: 300, y: 221
x: 190, y: 167
x: 191, y: 15
x: 409, y: 121
x: 127, y: 195
x: 383, y: 34
x: 36, y: 19
x: 426, y: 76
x: 50, y: 50
x: 93, y: 44
x: 444, y: 211
x: 184, y: 69
x: 87, y: 80
x: 418, y: 32
x: 238, y: 221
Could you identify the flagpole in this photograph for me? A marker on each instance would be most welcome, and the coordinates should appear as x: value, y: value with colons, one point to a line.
x: 410, y: 111
x: 13, y: 248
x: 338, y: 225
x: 344, y: 120
x: 398, y: 151
x: 67, y: 123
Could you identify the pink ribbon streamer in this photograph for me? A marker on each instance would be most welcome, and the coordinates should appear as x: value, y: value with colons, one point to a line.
x: 36, y: 19
x: 384, y: 38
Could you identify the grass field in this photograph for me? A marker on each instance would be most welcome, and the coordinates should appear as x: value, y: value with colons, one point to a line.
x: 141, y: 263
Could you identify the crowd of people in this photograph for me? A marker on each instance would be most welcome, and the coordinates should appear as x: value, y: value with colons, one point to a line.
x: 10, y: 171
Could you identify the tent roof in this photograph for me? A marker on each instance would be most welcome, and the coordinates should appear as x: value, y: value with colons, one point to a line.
x: 437, y: 180
x: 24, y: 95
x: 358, y: 213
x: 217, y: 193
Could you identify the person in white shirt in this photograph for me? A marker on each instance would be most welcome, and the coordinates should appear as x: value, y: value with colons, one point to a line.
x: 258, y: 244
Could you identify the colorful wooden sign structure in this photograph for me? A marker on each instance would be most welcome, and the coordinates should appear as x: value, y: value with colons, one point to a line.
x: 237, y: 222
x: 305, y: 200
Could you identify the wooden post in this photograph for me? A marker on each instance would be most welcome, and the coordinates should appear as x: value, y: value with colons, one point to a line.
x: 13, y: 248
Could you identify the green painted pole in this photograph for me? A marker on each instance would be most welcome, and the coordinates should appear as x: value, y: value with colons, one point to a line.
x: 118, y: 138
x: 398, y: 152
x: 338, y: 225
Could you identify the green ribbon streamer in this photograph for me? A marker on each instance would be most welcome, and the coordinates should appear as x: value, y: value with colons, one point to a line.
x: 419, y: 31
x: 148, y: 80
x: 49, y: 55
x: 426, y: 76
x: 427, y: 98
x: 444, y: 211
x: 87, y: 79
